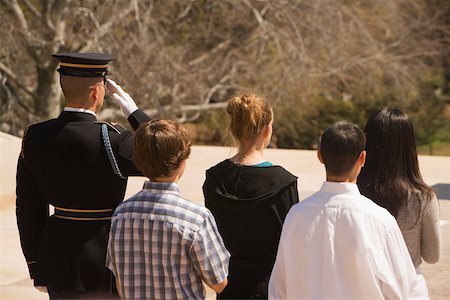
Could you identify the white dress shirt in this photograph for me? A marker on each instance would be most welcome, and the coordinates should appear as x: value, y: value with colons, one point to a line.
x: 338, y: 244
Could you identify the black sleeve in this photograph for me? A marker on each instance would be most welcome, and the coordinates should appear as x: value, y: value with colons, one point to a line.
x: 126, y: 141
x: 31, y: 213
x: 138, y: 118
x: 126, y: 164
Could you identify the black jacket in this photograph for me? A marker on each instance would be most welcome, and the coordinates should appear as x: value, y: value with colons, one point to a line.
x: 249, y: 204
x: 64, y: 163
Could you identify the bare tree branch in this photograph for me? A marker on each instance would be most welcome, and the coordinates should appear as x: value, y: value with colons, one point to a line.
x: 185, y: 12
x: 32, y: 8
x: 220, y: 85
x: 30, y: 40
x: 259, y: 18
x: 104, y: 29
x: 112, y: 113
x: 47, y: 14
x: 210, y: 53
x: 10, y: 74
x: 19, y: 15
x: 12, y: 93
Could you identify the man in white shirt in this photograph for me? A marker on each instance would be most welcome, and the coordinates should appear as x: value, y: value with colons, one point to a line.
x: 338, y: 244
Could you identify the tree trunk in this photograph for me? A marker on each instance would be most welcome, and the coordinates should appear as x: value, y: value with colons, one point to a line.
x: 48, y: 93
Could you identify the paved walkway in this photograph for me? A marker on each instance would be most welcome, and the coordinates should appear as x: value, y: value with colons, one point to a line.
x: 14, y: 281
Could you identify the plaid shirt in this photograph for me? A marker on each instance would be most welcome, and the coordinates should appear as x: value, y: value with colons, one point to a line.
x: 160, y: 246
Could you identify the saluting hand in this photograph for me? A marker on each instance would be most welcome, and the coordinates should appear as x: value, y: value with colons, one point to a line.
x: 122, y: 98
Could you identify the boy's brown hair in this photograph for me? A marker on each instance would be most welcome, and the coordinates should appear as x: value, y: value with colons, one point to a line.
x: 160, y: 146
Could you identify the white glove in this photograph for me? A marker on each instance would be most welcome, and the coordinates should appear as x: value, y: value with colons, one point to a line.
x: 126, y: 103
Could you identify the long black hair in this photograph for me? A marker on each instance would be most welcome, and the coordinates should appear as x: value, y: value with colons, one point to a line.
x: 391, y: 172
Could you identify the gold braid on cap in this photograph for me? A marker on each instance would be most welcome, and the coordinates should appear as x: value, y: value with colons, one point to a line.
x: 82, y: 66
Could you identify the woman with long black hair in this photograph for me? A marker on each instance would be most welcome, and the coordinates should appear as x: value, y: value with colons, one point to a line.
x: 391, y: 178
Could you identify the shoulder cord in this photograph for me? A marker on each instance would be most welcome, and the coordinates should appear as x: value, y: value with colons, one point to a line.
x: 110, y: 153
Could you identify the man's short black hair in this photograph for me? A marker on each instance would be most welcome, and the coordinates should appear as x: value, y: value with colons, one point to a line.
x: 340, y: 146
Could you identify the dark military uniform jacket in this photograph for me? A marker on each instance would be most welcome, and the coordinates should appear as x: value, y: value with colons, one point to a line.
x: 64, y: 163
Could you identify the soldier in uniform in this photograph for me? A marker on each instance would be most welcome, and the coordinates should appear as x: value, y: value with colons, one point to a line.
x: 80, y: 167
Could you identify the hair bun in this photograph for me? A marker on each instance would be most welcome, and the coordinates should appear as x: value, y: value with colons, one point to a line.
x: 249, y: 115
x: 234, y: 105
x: 244, y: 103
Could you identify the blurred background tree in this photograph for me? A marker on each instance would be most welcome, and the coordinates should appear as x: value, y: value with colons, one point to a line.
x: 316, y: 61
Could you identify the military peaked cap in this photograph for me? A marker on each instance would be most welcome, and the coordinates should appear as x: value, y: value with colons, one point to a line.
x: 83, y: 64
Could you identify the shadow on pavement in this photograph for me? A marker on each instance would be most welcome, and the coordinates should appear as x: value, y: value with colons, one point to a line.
x: 442, y: 191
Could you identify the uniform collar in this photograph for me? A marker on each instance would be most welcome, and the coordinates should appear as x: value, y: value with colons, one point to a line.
x: 82, y: 110
x: 340, y: 188
x: 75, y: 116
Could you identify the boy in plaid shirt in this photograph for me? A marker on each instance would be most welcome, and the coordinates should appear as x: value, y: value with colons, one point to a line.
x: 162, y: 246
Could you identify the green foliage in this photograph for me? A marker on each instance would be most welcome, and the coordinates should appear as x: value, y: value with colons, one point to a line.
x: 436, y: 148
x: 211, y: 128
x: 430, y: 112
x: 301, y: 127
